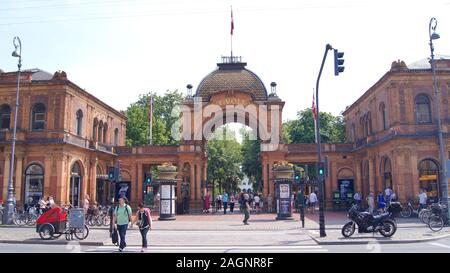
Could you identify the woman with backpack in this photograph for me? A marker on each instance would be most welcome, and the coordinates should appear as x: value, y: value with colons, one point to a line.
x: 144, y: 220
x: 122, y: 216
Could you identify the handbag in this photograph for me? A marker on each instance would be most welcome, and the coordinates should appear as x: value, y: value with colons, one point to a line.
x: 115, y: 237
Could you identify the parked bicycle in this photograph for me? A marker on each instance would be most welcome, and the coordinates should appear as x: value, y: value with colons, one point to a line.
x: 439, y: 217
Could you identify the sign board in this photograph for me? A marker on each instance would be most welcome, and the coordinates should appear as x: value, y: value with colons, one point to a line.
x: 165, y: 206
x: 123, y: 189
x: 284, y: 191
x: 285, y: 206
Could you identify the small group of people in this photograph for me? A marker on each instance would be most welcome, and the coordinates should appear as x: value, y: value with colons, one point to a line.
x: 122, y: 219
x: 381, y: 199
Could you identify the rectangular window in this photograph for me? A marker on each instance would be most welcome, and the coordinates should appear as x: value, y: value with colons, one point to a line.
x: 5, y: 121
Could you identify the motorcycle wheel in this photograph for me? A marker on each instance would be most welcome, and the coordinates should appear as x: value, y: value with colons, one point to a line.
x: 388, y: 229
x: 348, y: 229
x: 435, y: 223
x: 406, y: 212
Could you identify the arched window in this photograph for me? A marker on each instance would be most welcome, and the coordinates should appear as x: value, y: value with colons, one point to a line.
x: 429, y: 178
x: 76, y: 179
x: 79, y: 122
x: 34, y: 183
x: 94, y: 130
x: 383, y: 116
x: 369, y: 124
x: 116, y: 137
x: 105, y: 132
x: 387, y: 173
x: 38, y: 117
x: 353, y: 133
x: 100, y: 132
x: 5, y: 116
x: 423, y: 109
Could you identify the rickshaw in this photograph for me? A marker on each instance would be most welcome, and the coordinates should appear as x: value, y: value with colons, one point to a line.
x: 58, y: 221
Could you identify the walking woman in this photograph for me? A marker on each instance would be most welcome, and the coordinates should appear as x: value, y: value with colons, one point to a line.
x: 144, y: 220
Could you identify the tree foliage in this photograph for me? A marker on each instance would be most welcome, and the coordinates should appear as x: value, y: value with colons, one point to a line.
x: 251, y: 164
x: 138, y: 124
x: 224, y: 160
x: 301, y: 130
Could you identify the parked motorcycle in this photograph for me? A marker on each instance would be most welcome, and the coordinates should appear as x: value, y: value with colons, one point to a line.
x: 367, y: 223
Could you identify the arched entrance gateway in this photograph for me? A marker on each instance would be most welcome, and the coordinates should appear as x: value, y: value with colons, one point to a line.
x: 229, y: 94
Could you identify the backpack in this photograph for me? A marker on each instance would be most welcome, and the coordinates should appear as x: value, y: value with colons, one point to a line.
x: 126, y: 209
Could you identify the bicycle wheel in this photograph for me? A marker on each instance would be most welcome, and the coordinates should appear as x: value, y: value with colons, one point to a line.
x: 435, y: 223
x: 82, y: 234
x: 425, y: 216
x: 46, y: 232
x: 99, y: 221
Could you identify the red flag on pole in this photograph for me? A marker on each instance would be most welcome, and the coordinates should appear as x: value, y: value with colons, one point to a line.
x: 232, y: 22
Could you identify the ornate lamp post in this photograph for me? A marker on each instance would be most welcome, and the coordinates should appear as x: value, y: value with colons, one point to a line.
x: 443, y: 175
x: 7, y: 216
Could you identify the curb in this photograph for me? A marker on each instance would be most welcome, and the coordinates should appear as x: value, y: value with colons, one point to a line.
x: 42, y: 242
x: 407, y: 241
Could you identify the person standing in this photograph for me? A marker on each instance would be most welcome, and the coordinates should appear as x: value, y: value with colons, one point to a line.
x: 387, y: 193
x: 144, y: 220
x: 122, y: 216
x: 207, y: 202
x: 371, y: 202
x: 381, y: 202
x: 313, y: 201
x: 261, y: 203
x: 246, y: 208
x: 269, y: 203
x: 86, y: 204
x: 232, y: 203
x: 256, y: 203
x: 422, y: 200
x: 225, y: 203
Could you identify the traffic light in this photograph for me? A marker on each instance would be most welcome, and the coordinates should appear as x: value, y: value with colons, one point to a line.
x: 148, y: 178
x: 338, y: 62
x: 111, y: 173
x: 297, y: 176
x: 321, y: 168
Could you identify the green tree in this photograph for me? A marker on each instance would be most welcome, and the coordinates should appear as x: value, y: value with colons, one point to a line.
x: 138, y: 124
x: 301, y: 130
x: 251, y: 165
x: 224, y: 160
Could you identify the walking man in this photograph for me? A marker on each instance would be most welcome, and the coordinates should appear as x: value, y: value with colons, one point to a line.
x: 122, y: 216
x: 246, y: 208
x: 312, y: 201
x: 225, y: 203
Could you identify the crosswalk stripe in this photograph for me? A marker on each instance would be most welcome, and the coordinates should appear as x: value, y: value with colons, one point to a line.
x: 439, y: 244
x: 218, y: 247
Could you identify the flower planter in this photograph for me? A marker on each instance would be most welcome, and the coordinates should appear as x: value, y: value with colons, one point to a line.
x: 167, y: 175
x: 283, y: 173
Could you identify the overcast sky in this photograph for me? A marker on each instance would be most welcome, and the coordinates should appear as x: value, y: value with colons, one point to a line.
x: 117, y: 50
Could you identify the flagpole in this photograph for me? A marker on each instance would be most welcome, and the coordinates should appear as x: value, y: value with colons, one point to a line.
x: 232, y: 28
x: 150, y: 113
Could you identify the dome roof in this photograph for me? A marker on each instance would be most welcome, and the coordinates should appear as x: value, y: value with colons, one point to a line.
x: 232, y: 77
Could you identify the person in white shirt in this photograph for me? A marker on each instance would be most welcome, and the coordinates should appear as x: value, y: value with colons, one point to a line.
x: 422, y: 200
x: 371, y: 202
x: 313, y: 201
x: 256, y: 203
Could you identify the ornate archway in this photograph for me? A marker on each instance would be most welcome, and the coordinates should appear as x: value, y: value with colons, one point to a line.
x: 229, y: 94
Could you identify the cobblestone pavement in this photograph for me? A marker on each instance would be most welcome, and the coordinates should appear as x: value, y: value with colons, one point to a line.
x: 228, y: 230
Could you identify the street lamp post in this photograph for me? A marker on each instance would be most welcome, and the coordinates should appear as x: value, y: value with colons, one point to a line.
x: 319, y: 151
x: 7, y: 217
x: 442, y: 176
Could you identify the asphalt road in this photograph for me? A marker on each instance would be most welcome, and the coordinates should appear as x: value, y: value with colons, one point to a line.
x: 438, y: 246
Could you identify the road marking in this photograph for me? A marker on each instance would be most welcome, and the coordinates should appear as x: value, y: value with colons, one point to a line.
x: 217, y: 247
x: 440, y: 245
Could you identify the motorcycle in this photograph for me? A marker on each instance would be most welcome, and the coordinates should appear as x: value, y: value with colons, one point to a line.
x: 367, y: 223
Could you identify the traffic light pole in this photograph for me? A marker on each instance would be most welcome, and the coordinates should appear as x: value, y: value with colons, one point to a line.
x: 319, y: 150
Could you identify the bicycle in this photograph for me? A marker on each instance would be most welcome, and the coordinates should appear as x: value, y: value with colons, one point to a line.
x: 439, y: 217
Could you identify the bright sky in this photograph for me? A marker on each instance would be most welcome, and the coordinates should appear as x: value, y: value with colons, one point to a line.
x: 117, y: 50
